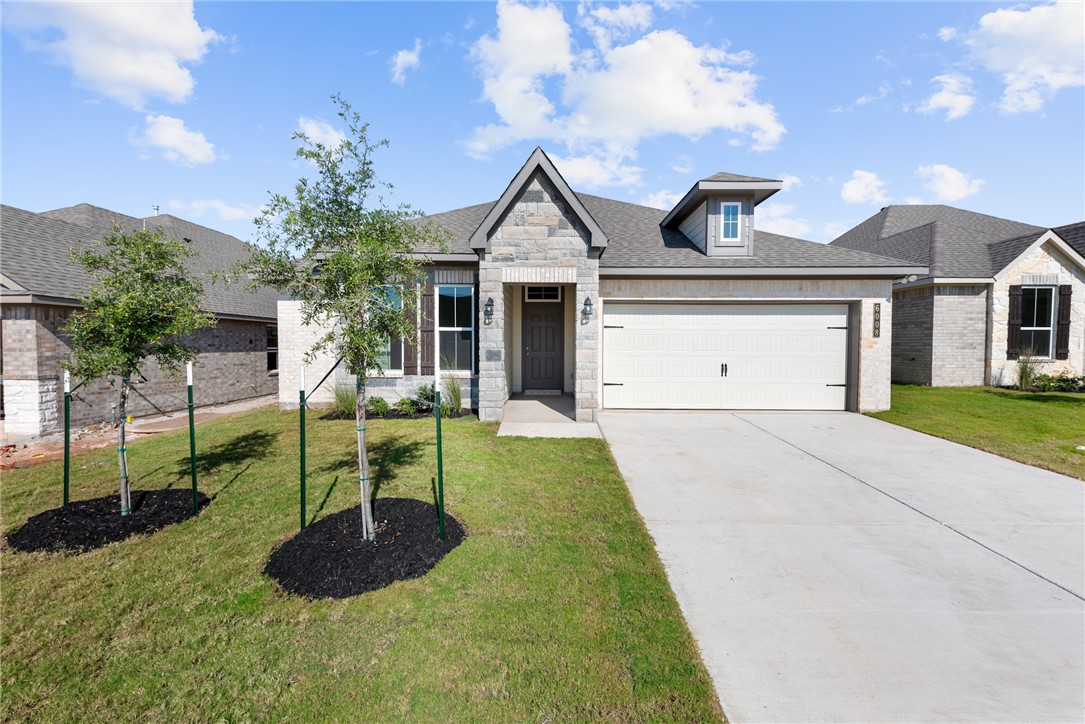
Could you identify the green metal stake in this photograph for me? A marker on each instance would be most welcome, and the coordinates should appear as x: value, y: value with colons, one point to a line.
x: 301, y: 411
x: 440, y: 470
x: 192, y: 443
x: 67, y: 433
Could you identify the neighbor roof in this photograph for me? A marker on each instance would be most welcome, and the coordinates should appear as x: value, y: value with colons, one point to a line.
x: 638, y: 241
x: 1074, y: 235
x: 952, y: 242
x: 37, y: 256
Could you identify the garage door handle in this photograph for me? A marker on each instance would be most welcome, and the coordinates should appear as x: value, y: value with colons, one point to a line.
x: 844, y: 385
x: 613, y: 384
x: 723, y: 370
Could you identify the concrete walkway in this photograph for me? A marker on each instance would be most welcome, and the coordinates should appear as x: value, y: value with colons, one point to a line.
x: 833, y: 567
x: 543, y: 416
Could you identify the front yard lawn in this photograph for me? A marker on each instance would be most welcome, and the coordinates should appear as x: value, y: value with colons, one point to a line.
x: 1038, y: 428
x: 555, y: 607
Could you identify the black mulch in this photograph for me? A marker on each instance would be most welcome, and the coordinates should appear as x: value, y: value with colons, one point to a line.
x: 329, y: 559
x: 84, y: 525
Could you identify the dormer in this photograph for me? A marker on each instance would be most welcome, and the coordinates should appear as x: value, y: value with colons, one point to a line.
x: 717, y: 213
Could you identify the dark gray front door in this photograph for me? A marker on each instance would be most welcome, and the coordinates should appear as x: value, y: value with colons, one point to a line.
x: 543, y: 353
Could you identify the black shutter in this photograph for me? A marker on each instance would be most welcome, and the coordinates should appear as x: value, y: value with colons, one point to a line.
x: 1013, y: 338
x: 426, y: 330
x: 410, y: 350
x: 474, y: 323
x: 1062, y: 333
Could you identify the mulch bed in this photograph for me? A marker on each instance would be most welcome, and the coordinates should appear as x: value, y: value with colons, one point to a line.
x: 84, y: 525
x: 329, y: 559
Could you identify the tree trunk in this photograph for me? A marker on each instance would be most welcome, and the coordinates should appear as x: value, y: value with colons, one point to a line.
x: 122, y: 451
x: 368, y: 531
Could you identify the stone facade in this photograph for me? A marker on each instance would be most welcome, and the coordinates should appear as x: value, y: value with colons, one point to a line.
x: 1047, y: 265
x: 873, y: 353
x: 232, y: 366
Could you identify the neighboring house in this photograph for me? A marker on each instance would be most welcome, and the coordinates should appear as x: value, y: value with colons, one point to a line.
x: 624, y: 306
x: 996, y: 290
x: 40, y: 286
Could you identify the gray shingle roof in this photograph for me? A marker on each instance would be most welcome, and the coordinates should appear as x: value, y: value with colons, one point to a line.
x: 1074, y: 235
x: 724, y: 176
x: 952, y: 242
x: 637, y: 240
x: 37, y: 248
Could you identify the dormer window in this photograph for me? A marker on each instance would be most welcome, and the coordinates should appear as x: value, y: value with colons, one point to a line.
x: 730, y: 212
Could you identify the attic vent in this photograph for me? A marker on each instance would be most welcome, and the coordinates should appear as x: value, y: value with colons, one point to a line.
x: 1040, y: 279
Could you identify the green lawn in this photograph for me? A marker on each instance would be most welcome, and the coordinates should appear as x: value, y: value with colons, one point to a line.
x: 1041, y: 428
x: 555, y: 608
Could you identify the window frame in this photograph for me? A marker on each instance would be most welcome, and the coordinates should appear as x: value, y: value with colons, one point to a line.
x: 529, y: 287
x: 395, y: 371
x: 269, y: 349
x: 1052, y: 318
x: 722, y: 239
x: 438, y: 328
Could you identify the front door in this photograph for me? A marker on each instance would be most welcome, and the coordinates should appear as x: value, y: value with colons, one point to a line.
x: 543, y: 353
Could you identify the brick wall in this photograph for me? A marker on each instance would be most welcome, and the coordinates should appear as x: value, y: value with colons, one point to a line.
x: 960, y: 336
x: 232, y: 366
x: 913, y: 318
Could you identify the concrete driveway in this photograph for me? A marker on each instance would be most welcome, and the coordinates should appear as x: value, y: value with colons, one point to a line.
x: 833, y: 567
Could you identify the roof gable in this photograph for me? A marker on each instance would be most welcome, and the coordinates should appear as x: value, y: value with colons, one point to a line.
x: 539, y: 162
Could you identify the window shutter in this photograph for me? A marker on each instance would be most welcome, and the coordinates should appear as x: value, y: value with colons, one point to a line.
x: 410, y: 351
x: 425, y: 330
x: 1062, y: 333
x: 1013, y: 338
x: 474, y: 323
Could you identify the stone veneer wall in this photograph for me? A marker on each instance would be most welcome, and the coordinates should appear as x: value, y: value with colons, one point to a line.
x: 874, y: 352
x: 539, y: 241
x: 1047, y: 262
x: 913, y: 319
x: 232, y: 366
x: 960, y: 336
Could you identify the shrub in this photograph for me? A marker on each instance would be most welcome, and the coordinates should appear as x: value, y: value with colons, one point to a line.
x: 427, y: 393
x: 1028, y: 371
x: 453, y: 395
x: 346, y: 397
x: 446, y: 410
x: 407, y: 406
x: 1060, y: 383
x: 378, y: 406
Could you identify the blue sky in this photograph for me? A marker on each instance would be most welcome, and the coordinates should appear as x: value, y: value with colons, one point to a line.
x: 854, y: 105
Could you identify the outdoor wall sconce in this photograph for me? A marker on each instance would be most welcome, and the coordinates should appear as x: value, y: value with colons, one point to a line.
x: 488, y: 311
x: 586, y: 311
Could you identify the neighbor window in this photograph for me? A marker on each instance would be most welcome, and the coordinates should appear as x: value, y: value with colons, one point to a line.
x: 390, y: 358
x: 455, y: 327
x: 272, y: 348
x: 1037, y: 321
x: 730, y: 213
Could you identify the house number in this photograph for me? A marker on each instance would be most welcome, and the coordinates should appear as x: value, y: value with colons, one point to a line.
x: 877, y: 319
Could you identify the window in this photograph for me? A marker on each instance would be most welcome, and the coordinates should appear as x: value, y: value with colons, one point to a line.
x: 272, y: 348
x: 1037, y: 320
x: 730, y: 214
x: 543, y: 294
x: 390, y: 358
x: 456, y: 327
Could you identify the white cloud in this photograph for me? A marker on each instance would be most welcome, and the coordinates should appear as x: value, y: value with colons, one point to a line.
x: 609, y: 23
x: 662, y: 199
x: 593, y: 170
x: 320, y: 132
x: 1037, y: 51
x: 864, y: 187
x: 947, y: 34
x: 683, y: 164
x: 790, y: 181
x: 832, y: 229
x: 174, y: 142
x: 777, y: 218
x: 948, y: 183
x: 601, y: 104
x: 405, y: 60
x: 130, y: 52
x: 956, y: 97
x: 222, y: 209
x: 883, y: 90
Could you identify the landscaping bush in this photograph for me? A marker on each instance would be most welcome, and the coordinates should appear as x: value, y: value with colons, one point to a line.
x: 346, y: 397
x: 1027, y: 371
x: 453, y: 394
x: 1059, y: 383
x: 427, y: 394
x: 406, y: 406
x: 378, y: 406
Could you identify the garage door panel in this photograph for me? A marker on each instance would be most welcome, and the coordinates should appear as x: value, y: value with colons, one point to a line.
x: 778, y: 356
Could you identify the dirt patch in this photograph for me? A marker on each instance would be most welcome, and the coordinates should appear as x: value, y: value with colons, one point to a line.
x: 329, y: 559
x: 84, y: 525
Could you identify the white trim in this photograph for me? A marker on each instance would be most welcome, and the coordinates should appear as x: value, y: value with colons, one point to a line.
x: 1050, y: 328
x: 1056, y: 241
x: 721, y: 238
x: 930, y: 281
x: 862, y: 272
x: 437, y: 329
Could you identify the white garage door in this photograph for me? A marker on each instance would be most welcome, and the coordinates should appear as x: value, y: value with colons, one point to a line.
x: 725, y: 356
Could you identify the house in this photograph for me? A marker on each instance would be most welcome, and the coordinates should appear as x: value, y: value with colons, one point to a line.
x: 622, y: 306
x: 996, y: 290
x: 40, y: 287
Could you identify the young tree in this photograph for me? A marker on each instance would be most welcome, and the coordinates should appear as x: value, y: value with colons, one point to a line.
x: 350, y: 260
x: 142, y: 304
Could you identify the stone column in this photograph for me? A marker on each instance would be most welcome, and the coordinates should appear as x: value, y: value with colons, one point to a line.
x: 492, y: 383
x: 587, y: 344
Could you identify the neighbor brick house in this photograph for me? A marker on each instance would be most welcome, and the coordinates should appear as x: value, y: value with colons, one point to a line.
x: 996, y: 290
x: 40, y: 287
x: 623, y: 306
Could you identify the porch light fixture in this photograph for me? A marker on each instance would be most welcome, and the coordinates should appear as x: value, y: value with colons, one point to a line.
x: 586, y: 311
x: 488, y: 310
